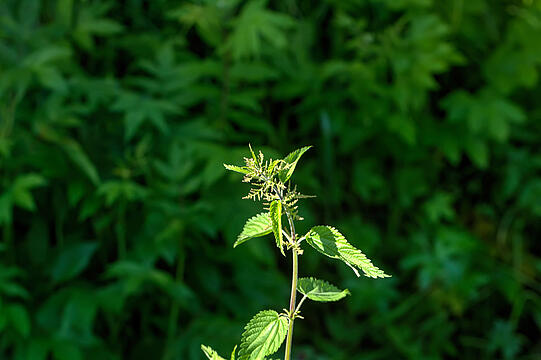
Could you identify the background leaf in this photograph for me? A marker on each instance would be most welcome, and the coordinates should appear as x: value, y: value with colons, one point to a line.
x: 424, y: 119
x: 71, y: 261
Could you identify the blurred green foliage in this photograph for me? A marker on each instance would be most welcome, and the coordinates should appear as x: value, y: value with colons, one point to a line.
x: 118, y: 219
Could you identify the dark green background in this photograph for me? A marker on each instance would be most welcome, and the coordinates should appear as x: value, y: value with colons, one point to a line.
x: 117, y: 217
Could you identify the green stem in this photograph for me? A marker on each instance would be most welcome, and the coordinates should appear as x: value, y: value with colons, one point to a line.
x: 292, y: 306
x: 175, y: 307
x: 121, y: 231
x: 294, y: 277
x: 8, y: 241
x: 300, y: 304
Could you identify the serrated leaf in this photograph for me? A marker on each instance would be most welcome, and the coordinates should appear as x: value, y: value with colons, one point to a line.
x: 210, y: 353
x: 275, y: 211
x: 263, y: 335
x: 256, y: 226
x: 206, y: 20
x: 291, y: 161
x: 320, y: 290
x: 254, y: 24
x: 329, y: 241
x: 239, y: 169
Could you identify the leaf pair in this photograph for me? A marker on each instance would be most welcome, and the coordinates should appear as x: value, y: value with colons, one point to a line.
x: 266, y: 331
x: 325, y: 239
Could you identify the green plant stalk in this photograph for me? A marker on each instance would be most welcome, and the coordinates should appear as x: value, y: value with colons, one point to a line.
x: 266, y: 331
x: 294, y: 279
x: 8, y: 241
x: 175, y: 307
x: 292, y: 303
x: 121, y: 231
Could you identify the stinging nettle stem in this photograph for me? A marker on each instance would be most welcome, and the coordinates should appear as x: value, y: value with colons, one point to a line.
x: 292, y: 305
x: 294, y: 278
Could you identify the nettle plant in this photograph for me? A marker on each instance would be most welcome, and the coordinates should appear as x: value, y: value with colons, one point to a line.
x: 270, y: 180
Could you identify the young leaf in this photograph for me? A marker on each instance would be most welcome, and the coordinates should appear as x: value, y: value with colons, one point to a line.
x: 319, y: 290
x: 328, y: 241
x: 263, y: 335
x: 256, y: 226
x: 291, y: 161
x: 210, y: 353
x: 275, y: 211
x: 239, y: 169
x: 253, y: 154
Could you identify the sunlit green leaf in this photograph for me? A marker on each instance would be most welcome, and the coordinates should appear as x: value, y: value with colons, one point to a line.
x: 275, y: 212
x: 328, y: 241
x: 256, y: 226
x: 319, y: 290
x: 263, y: 335
x: 210, y: 353
x: 291, y: 162
x: 238, y: 169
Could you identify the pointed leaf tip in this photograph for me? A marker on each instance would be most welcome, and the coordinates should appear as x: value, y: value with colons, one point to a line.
x: 253, y: 154
x: 291, y: 162
x: 239, y: 169
x: 275, y: 211
x: 210, y: 353
x: 320, y: 290
x: 330, y: 242
x: 256, y: 226
x: 263, y: 335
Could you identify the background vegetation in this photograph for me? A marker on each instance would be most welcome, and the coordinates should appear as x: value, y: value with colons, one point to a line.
x: 117, y: 217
